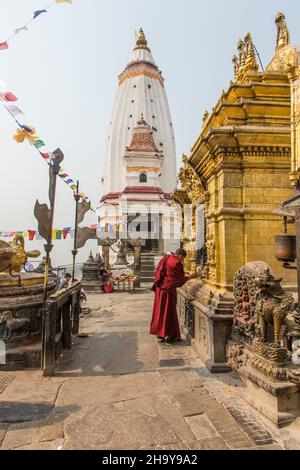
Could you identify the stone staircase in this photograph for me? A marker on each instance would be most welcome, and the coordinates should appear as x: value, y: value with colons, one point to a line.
x: 147, y: 268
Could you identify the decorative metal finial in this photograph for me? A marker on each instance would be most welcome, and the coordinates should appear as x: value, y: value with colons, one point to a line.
x: 283, y: 34
x: 141, y: 41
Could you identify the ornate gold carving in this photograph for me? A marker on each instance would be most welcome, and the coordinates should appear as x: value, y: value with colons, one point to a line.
x: 273, y: 306
x: 13, y: 256
x: 211, y: 257
x: 285, y: 60
x: 211, y: 250
x: 286, y: 57
x: 260, y: 304
x: 205, y: 118
x: 246, y: 61
x: 283, y: 35
x: 260, y: 326
x: 133, y: 169
x: 193, y: 185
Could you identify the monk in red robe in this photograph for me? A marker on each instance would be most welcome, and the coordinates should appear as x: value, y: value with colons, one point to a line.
x: 169, y: 276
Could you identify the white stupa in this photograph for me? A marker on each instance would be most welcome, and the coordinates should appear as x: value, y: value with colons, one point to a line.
x: 140, y: 154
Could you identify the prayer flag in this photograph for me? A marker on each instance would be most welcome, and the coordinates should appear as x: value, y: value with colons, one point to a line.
x: 39, y: 143
x: 14, y: 110
x: 3, y: 46
x: 46, y: 156
x: 31, y: 235
x: 18, y: 30
x: 27, y: 129
x: 59, y: 234
x: 38, y: 13
x: 8, y: 96
x: 66, y: 232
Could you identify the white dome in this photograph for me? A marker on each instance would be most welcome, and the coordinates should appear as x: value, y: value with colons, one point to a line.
x: 141, y: 91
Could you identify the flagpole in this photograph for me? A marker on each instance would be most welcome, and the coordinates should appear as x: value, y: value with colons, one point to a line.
x: 75, y: 251
x: 53, y: 172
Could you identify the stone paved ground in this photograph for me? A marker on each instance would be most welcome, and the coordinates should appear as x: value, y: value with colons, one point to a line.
x: 119, y: 389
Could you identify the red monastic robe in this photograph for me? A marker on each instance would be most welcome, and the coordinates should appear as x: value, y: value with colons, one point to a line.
x: 169, y: 276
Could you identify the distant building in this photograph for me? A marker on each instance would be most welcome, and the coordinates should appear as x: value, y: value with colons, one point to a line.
x: 140, y: 158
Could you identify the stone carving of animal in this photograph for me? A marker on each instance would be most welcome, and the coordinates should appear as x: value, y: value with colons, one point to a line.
x: 273, y: 306
x: 13, y: 255
x: 21, y: 326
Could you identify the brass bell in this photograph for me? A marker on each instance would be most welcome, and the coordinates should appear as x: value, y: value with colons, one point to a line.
x: 286, y: 248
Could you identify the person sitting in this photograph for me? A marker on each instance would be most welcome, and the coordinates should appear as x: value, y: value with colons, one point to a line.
x: 65, y: 282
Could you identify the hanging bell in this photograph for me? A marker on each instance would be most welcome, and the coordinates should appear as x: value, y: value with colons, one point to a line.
x: 286, y: 248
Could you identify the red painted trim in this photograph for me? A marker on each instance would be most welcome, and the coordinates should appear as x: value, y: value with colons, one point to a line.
x: 111, y: 196
x: 142, y: 190
x: 137, y: 63
x: 144, y: 200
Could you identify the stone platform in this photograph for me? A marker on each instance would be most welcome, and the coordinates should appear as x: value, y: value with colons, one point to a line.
x: 118, y: 389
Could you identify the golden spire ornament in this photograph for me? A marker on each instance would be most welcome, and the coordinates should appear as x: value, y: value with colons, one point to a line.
x: 283, y: 34
x: 141, y: 41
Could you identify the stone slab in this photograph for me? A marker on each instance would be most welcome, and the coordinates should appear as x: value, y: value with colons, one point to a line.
x: 192, y: 403
x: 13, y: 412
x: 104, y: 428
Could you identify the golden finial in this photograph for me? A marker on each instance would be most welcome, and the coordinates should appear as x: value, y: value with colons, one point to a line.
x: 245, y: 61
x: 251, y: 64
x: 283, y: 34
x: 141, y: 41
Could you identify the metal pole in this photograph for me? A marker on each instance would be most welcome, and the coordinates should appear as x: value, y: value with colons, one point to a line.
x: 75, y: 251
x: 48, y: 248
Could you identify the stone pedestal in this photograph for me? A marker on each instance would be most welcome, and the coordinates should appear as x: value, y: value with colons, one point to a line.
x: 271, y: 387
x: 278, y: 402
x: 206, y: 317
x: 21, y: 319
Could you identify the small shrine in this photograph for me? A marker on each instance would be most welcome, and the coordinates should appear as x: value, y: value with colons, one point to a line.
x: 91, y: 274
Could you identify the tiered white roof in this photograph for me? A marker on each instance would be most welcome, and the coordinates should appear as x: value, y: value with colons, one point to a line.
x: 141, y: 91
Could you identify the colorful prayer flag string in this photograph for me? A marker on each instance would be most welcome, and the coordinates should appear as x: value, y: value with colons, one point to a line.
x: 5, y: 44
x: 26, y: 132
x: 32, y: 235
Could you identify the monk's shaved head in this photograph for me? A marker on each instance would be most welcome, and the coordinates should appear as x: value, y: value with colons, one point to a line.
x: 181, y: 253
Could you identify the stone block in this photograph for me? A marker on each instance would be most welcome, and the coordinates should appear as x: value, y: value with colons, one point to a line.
x: 282, y: 406
x: 193, y: 403
x: 201, y: 427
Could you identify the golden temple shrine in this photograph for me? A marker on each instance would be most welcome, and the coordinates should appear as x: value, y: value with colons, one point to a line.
x: 236, y: 176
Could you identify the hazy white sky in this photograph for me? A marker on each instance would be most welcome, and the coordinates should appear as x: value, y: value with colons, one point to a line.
x: 64, y: 71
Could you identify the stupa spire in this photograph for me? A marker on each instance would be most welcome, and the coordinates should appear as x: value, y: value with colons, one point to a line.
x: 141, y: 41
